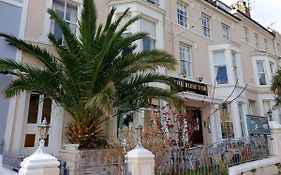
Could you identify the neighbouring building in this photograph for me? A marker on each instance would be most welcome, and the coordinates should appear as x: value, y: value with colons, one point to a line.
x: 12, y: 21
x: 226, y: 61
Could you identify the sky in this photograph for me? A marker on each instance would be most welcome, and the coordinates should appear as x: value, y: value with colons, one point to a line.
x: 265, y: 12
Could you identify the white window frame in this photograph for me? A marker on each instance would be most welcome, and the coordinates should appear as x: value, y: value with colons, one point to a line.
x: 242, y: 119
x: 246, y: 35
x: 225, y: 31
x: 257, y: 41
x: 235, y: 65
x: 185, y: 62
x: 271, y: 68
x: 151, y: 38
x: 261, y: 72
x: 64, y: 16
x: 182, y: 14
x: 206, y: 25
x: 220, y: 65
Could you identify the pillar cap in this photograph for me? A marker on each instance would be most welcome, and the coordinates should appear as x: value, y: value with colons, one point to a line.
x: 39, y: 160
x: 273, y: 125
x: 140, y: 153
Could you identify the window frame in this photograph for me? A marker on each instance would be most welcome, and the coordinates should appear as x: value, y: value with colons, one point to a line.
x: 206, y: 26
x: 215, y: 66
x: 235, y: 65
x: 185, y: 61
x: 242, y: 119
x: 271, y: 68
x: 69, y: 22
x: 246, y: 35
x: 182, y: 11
x: 257, y: 41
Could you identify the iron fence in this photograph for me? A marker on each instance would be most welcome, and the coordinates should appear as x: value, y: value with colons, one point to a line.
x: 216, y: 159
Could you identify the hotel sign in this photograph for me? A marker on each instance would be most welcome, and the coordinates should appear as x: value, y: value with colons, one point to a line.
x: 186, y: 85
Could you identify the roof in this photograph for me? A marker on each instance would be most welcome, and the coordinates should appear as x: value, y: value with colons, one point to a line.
x: 223, y: 7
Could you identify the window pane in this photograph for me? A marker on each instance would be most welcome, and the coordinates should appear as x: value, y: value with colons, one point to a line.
x: 260, y: 66
x: 185, y: 60
x: 71, y: 13
x: 29, y: 140
x: 148, y: 27
x: 58, y: 33
x: 67, y: 12
x: 59, y: 8
x: 147, y: 43
x: 182, y: 14
x: 272, y: 69
x: 241, y: 115
x: 262, y: 79
x: 234, y: 62
x: 219, y: 58
x: 33, y: 108
x: 47, y: 108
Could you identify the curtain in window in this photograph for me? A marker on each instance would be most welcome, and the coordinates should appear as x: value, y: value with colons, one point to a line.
x: 221, y: 75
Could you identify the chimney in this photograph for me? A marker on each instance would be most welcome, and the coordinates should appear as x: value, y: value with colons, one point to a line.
x: 242, y: 6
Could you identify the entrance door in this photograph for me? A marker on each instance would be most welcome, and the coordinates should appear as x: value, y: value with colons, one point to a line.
x: 197, y: 135
x: 37, y: 109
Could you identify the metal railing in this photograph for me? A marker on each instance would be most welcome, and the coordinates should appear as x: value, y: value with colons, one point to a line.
x: 215, y: 159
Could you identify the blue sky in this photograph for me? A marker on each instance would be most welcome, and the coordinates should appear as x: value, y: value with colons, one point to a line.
x: 265, y: 12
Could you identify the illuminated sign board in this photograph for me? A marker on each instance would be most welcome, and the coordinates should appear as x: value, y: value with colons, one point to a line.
x: 186, y: 85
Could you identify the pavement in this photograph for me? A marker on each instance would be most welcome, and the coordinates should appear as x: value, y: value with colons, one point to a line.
x: 5, y: 171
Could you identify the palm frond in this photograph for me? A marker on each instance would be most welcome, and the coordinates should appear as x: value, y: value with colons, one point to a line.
x: 40, y: 54
x: 88, y: 24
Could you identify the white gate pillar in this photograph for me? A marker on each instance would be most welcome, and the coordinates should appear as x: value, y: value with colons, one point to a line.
x: 140, y: 162
x: 39, y: 163
x: 275, y: 129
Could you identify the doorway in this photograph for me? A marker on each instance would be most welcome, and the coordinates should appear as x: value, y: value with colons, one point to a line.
x: 38, y: 108
x: 197, y: 135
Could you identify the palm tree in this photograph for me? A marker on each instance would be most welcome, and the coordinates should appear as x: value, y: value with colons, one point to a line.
x: 95, y: 75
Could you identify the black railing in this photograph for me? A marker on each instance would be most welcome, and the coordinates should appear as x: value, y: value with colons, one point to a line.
x: 217, y: 158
